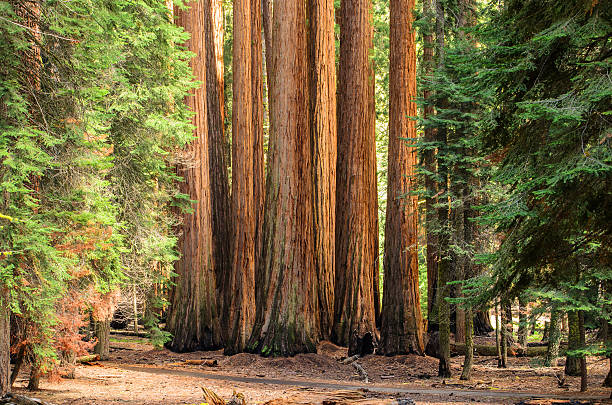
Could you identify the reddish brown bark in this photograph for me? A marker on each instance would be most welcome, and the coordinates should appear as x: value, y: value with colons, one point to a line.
x: 430, y: 183
x: 287, y: 307
x: 257, y: 124
x: 193, y: 314
x: 402, y: 324
x: 242, y: 277
x: 217, y: 150
x: 355, y: 210
x: 323, y: 136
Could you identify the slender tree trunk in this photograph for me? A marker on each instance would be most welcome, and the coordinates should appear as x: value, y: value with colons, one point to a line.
x: 287, y: 309
x: 430, y: 166
x: 583, y: 361
x: 5, y: 341
x: 498, y: 335
x: 102, y: 334
x: 469, y: 345
x: 554, y: 338
x: 503, y: 341
x: 242, y: 278
x: 217, y: 150
x: 402, y: 324
x: 17, y: 366
x: 356, y: 257
x: 257, y: 125
x: 572, y: 363
x: 193, y: 314
x: 523, y: 330
x: 323, y: 137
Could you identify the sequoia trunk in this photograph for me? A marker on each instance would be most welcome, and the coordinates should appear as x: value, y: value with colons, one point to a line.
x: 287, y: 308
x: 402, y: 324
x: 323, y: 137
x: 217, y: 150
x: 355, y: 210
x: 193, y: 314
x: 242, y: 278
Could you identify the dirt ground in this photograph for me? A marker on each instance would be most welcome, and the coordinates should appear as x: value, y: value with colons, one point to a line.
x: 139, y: 374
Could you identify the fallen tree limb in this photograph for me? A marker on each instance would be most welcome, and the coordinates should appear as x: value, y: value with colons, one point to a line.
x: 14, y: 399
x: 88, y: 358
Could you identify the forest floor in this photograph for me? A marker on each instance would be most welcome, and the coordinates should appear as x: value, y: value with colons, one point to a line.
x: 137, y: 373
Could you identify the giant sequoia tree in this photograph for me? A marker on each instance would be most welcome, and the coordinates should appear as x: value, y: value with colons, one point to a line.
x: 402, y: 326
x: 193, y: 315
x: 241, y: 312
x: 217, y: 148
x: 356, y: 255
x: 287, y: 306
x: 323, y: 137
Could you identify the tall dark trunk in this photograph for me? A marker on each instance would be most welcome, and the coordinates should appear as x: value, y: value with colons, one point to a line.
x: 287, y: 306
x: 402, y: 324
x: 583, y: 361
x: 572, y: 363
x: 5, y: 341
x: 193, y: 315
x: 429, y: 163
x: 356, y: 257
x: 523, y: 330
x: 217, y: 150
x: 323, y: 138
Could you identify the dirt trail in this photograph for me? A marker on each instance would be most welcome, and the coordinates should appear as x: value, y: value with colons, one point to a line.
x: 383, y: 389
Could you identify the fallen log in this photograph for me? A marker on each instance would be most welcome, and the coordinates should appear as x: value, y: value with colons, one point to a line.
x: 129, y: 333
x: 14, y: 399
x: 88, y: 359
x: 458, y: 349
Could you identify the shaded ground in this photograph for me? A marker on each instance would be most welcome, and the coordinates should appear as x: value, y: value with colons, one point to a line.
x: 139, y: 374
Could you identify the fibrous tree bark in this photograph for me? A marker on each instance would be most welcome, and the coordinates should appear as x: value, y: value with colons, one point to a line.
x: 355, y: 209
x: 323, y: 138
x: 402, y: 324
x: 241, y: 286
x: 102, y: 333
x: 554, y: 338
x: 217, y: 150
x: 193, y: 315
x: 5, y: 341
x: 287, y: 307
x: 572, y: 363
x: 430, y: 167
x: 257, y: 119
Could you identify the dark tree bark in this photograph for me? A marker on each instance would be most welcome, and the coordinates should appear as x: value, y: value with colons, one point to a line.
x: 257, y: 124
x: 554, y: 339
x: 217, y: 150
x: 356, y: 212
x: 430, y: 166
x: 523, y: 330
x: 287, y: 307
x: 193, y: 314
x: 482, y: 323
x: 102, y: 334
x: 242, y: 278
x: 323, y: 137
x: 5, y: 342
x: 469, y: 345
x: 402, y: 323
x: 572, y: 363
x: 583, y: 362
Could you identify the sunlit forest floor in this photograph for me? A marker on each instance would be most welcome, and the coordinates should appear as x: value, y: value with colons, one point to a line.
x: 139, y: 374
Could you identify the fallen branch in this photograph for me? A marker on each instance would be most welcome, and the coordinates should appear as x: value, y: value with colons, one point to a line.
x: 361, y: 371
x: 349, y: 360
x: 14, y: 399
x: 87, y: 359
